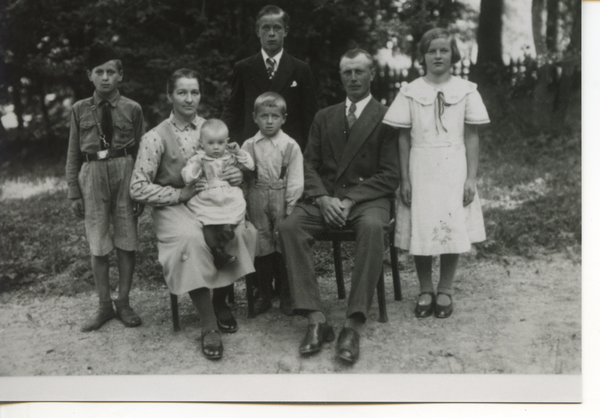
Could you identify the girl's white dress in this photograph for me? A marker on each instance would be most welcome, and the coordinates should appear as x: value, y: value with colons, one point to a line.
x: 437, y: 222
x: 220, y: 203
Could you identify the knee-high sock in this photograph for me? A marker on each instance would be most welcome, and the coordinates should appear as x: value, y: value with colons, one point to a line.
x: 264, y: 272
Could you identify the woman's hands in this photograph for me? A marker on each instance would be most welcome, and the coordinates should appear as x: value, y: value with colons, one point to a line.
x: 191, y: 190
x: 406, y: 192
x: 469, y: 193
x: 233, y: 175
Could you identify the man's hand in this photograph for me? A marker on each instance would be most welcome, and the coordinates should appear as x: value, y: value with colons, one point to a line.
x: 332, y: 211
x: 138, y: 209
x: 233, y: 175
x: 348, y: 204
x: 78, y: 208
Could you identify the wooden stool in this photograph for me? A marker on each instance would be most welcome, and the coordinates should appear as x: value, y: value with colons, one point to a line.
x: 336, y: 236
x: 230, y: 298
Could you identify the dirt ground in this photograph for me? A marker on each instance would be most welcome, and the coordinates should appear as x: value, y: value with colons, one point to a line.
x: 512, y: 316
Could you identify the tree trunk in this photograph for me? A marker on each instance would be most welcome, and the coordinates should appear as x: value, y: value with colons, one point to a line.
x: 489, y: 41
x: 570, y: 65
x: 544, y: 89
x: 552, y: 26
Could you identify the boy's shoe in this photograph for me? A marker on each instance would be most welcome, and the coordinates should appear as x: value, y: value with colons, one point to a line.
x: 222, y: 258
x: 262, y: 305
x: 126, y: 314
x: 226, y: 234
x: 285, y: 306
x: 104, y: 313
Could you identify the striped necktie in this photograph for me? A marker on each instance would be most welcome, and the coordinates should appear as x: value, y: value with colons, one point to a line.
x: 270, y: 67
x: 351, y: 116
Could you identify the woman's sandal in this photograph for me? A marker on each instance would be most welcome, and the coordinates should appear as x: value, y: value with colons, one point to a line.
x: 228, y: 325
x: 423, y: 311
x: 211, y: 351
x: 444, y: 311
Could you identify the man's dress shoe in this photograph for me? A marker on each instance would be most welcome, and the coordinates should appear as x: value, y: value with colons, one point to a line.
x: 347, y: 345
x: 316, y: 335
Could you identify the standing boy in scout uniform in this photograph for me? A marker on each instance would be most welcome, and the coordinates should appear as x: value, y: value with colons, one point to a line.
x: 105, y: 132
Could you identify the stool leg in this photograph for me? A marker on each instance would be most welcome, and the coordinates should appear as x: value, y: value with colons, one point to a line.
x: 395, y: 273
x: 339, y: 269
x: 230, y: 294
x: 175, y: 312
x: 250, y: 294
x: 383, y: 318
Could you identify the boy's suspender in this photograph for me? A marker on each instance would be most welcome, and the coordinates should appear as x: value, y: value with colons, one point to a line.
x: 287, y: 157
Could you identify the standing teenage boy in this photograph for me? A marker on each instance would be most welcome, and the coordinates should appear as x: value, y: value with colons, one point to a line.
x: 272, y: 69
x: 105, y: 132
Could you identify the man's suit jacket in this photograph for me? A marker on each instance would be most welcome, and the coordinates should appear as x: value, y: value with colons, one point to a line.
x: 364, y: 167
x: 293, y: 80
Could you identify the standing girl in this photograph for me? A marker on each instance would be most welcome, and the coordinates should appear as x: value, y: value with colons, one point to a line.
x: 440, y: 212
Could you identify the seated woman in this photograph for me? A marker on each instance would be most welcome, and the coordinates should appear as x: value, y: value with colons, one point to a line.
x: 182, y: 251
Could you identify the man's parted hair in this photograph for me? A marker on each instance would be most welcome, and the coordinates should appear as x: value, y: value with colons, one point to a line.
x: 273, y: 10
x: 214, y: 127
x: 353, y: 53
x: 270, y: 99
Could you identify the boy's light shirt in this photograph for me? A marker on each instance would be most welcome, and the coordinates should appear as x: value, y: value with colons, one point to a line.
x: 360, y: 106
x: 269, y: 158
x: 277, y: 59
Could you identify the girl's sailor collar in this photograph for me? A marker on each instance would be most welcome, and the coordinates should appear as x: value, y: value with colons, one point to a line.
x: 424, y: 93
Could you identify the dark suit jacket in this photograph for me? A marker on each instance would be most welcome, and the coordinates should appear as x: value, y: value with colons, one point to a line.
x: 365, y: 167
x: 293, y: 80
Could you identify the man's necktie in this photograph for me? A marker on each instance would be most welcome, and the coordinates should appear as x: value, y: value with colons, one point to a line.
x: 107, y: 123
x: 351, y: 116
x: 270, y: 67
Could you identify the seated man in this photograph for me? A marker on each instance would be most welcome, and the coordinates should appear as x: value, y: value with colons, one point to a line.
x: 351, y: 172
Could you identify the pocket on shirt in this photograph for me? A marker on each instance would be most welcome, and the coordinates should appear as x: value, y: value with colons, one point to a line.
x: 87, y: 132
x: 124, y: 132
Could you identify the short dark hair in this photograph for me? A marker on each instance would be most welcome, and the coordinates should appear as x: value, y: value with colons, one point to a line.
x: 214, y: 127
x: 273, y: 10
x: 271, y: 99
x: 353, y: 53
x: 182, y: 73
x: 437, y: 33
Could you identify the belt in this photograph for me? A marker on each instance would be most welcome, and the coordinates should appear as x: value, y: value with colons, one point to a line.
x: 108, y: 154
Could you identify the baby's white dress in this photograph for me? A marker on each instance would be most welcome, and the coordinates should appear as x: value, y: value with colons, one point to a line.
x: 220, y: 203
x: 437, y: 222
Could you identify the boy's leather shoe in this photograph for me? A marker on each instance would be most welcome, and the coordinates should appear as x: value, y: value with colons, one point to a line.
x: 347, y: 345
x: 222, y: 258
x: 104, y: 313
x: 262, y: 305
x: 126, y: 314
x: 316, y: 335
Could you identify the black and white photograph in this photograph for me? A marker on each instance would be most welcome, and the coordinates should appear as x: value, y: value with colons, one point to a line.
x: 292, y: 201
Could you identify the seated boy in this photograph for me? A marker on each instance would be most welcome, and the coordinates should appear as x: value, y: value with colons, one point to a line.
x: 275, y: 187
x: 105, y: 132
